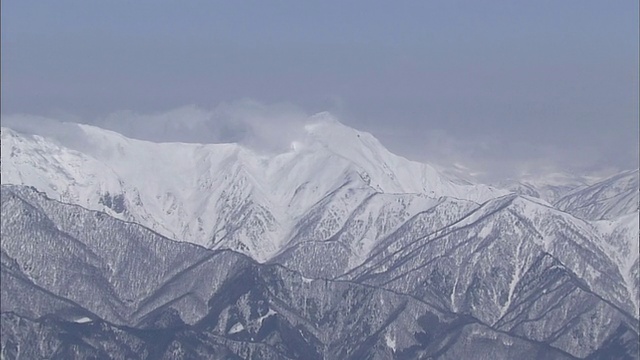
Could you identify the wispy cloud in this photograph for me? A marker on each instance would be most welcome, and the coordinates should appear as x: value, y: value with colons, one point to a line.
x: 485, y: 158
x: 269, y: 128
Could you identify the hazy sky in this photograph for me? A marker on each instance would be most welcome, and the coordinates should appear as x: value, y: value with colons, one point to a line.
x: 500, y: 86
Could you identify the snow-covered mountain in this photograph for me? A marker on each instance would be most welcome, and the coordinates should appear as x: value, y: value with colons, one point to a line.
x: 222, y: 195
x: 130, y: 234
x: 82, y: 284
x: 613, y: 206
x: 549, y: 187
x: 605, y: 200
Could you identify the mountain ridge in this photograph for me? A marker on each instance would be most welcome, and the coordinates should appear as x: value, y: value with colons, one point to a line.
x: 333, y: 247
x: 252, y: 305
x: 192, y: 181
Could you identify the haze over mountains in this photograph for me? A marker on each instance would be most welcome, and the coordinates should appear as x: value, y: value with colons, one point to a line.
x: 333, y: 248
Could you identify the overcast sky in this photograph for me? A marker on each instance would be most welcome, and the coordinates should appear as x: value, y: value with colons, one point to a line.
x: 503, y: 87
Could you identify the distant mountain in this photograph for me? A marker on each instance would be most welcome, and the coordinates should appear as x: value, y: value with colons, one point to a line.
x: 548, y: 187
x: 606, y: 200
x: 332, y: 249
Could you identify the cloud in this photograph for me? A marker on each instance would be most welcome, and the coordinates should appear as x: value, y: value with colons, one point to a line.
x: 493, y: 158
x: 265, y: 128
x: 262, y: 127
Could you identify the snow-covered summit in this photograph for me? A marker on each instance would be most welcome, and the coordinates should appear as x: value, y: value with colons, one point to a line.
x: 217, y: 195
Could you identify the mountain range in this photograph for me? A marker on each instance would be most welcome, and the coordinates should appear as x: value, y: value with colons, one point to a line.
x: 333, y: 248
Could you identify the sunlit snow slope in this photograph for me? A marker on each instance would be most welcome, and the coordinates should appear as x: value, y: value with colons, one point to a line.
x: 224, y: 195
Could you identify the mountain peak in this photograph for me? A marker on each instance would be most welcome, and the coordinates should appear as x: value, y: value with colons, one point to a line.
x: 174, y: 188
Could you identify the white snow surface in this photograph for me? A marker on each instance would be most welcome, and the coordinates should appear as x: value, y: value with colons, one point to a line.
x: 219, y: 195
x: 390, y: 341
x: 236, y: 328
x: 621, y: 242
x: 82, y: 320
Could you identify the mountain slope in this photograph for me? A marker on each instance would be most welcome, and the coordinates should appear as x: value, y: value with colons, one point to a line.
x: 511, y: 258
x: 612, y: 205
x: 248, y: 310
x: 605, y: 200
x: 549, y: 187
x: 360, y: 253
x: 218, y: 195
